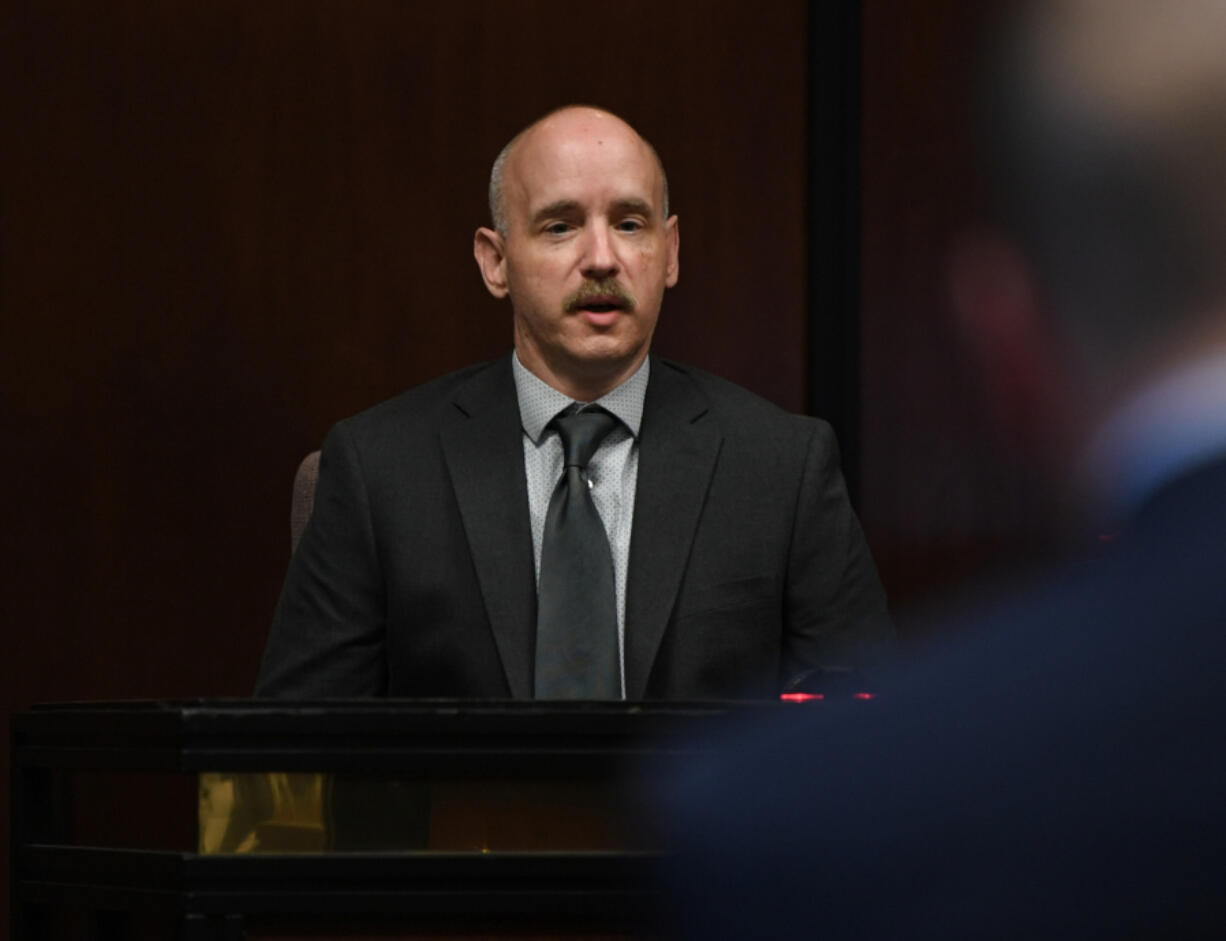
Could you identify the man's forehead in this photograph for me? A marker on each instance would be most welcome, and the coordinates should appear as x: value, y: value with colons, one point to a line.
x: 577, y: 126
x: 583, y: 152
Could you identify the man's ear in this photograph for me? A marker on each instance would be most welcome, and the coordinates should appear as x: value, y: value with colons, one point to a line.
x: 997, y: 305
x: 672, y: 235
x: 490, y: 252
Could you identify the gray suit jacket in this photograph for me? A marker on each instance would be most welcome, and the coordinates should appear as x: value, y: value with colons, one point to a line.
x: 415, y: 574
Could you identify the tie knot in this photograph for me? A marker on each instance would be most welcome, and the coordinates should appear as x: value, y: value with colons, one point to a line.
x: 582, y: 432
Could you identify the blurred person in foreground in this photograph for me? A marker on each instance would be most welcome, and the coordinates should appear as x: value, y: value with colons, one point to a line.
x: 1056, y: 767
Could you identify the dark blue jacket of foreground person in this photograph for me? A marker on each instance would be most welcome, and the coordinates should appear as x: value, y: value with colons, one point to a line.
x: 1057, y: 769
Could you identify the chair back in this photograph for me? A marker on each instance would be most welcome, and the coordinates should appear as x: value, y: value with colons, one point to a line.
x: 303, y: 500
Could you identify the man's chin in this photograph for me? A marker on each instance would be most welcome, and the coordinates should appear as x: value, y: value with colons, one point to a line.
x: 601, y: 353
x: 606, y: 363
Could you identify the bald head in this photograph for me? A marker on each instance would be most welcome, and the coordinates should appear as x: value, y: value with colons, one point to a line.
x: 558, y: 125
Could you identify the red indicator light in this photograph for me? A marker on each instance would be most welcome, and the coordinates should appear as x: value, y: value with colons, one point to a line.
x: 864, y: 696
x: 800, y: 697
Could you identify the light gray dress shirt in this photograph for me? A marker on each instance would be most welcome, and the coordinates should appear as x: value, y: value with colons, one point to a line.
x: 612, y: 473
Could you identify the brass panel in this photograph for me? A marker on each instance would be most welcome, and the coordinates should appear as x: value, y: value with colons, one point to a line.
x: 280, y: 812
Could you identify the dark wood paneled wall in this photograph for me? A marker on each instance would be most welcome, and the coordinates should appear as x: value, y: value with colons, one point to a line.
x: 226, y: 225
x: 946, y: 498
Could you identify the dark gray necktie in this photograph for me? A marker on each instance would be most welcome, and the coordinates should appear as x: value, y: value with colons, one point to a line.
x: 576, y: 625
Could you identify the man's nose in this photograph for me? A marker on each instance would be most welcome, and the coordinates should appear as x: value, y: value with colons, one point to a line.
x: 600, y: 256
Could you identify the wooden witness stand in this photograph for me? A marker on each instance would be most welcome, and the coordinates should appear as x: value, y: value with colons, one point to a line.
x: 237, y: 819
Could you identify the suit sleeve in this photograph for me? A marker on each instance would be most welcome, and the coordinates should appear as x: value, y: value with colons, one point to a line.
x: 836, y: 617
x: 328, y: 633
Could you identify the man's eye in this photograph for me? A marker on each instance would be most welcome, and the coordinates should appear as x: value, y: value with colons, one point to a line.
x: 629, y: 225
x: 558, y: 228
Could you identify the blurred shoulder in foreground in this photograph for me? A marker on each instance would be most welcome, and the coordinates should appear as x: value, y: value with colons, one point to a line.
x: 1055, y: 767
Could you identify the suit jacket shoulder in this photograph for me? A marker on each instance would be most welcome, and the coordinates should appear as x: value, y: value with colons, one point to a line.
x: 418, y: 409
x: 728, y: 398
x: 751, y: 421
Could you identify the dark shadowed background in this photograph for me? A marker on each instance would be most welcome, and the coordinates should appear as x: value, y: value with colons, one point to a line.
x: 226, y: 225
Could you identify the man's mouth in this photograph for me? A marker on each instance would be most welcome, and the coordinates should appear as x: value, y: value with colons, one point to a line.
x: 601, y: 305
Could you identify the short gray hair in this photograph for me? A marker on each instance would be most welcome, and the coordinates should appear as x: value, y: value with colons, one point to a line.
x: 498, y: 206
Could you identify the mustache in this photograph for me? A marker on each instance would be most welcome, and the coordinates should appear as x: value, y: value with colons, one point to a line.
x: 605, y: 290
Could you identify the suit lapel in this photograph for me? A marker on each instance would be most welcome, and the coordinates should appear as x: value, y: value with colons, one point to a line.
x: 678, y: 447
x: 484, y: 452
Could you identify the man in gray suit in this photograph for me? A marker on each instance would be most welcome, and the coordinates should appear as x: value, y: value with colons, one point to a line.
x: 738, y: 567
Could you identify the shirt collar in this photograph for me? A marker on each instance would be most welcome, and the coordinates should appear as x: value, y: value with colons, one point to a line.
x: 1171, y: 427
x: 539, y: 402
